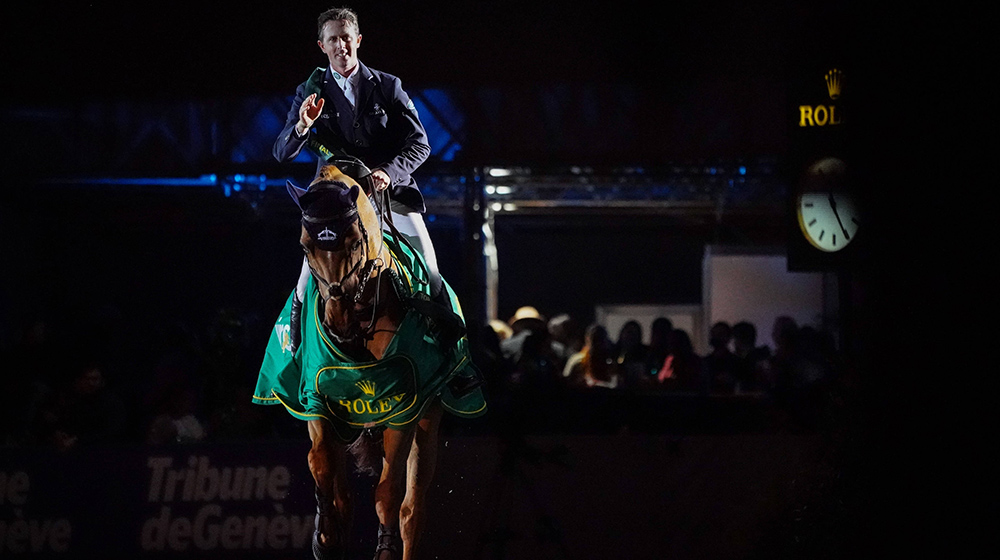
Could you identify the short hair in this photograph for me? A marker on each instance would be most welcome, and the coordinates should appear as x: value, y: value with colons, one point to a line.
x: 337, y: 14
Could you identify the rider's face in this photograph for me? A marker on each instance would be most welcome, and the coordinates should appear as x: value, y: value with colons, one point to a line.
x: 340, y: 44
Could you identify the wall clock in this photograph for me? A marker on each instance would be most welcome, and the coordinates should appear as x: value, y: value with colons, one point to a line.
x: 828, y: 214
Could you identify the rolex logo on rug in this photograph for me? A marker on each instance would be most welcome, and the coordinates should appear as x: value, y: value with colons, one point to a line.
x: 367, y: 387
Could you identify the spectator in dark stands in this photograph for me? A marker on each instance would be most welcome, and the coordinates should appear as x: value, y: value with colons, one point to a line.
x: 83, y: 411
x: 566, y: 338
x: 488, y: 356
x: 502, y: 330
x: 177, y: 359
x: 752, y: 358
x: 630, y: 353
x: 594, y: 365
x: 178, y: 420
x: 721, y: 364
x: 229, y: 362
x: 659, y: 334
x: 780, y: 367
x: 525, y: 322
x: 529, y: 350
x: 682, y: 368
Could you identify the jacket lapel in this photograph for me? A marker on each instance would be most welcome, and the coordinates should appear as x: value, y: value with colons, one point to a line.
x: 366, y: 85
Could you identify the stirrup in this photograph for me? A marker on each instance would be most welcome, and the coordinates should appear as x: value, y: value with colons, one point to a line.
x: 390, y: 544
x: 337, y: 550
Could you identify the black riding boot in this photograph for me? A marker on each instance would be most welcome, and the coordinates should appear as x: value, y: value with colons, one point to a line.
x: 295, y: 323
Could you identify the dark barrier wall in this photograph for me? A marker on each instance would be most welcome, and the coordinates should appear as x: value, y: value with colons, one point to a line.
x: 555, y: 496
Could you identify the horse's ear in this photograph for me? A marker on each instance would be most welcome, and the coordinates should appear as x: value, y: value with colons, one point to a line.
x: 352, y: 195
x: 295, y: 193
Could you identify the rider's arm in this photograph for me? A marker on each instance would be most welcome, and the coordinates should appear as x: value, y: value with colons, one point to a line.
x: 289, y: 143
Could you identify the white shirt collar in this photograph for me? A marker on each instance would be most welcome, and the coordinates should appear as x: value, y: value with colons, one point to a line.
x: 352, y: 77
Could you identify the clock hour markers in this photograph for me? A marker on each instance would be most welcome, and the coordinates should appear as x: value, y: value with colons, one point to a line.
x: 824, y: 204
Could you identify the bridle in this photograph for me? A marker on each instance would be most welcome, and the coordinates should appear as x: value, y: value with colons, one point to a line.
x: 333, y: 290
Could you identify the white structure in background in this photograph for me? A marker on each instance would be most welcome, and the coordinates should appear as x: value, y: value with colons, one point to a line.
x: 740, y: 284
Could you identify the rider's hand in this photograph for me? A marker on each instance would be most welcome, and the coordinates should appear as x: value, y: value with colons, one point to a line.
x: 308, y: 113
x: 380, y: 179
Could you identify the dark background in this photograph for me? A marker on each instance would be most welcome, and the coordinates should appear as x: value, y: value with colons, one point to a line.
x: 228, y: 48
x: 58, y: 55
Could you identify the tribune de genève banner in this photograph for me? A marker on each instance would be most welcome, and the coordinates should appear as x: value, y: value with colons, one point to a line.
x: 200, y: 501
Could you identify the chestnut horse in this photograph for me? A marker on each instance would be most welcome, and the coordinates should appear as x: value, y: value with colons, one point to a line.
x: 375, y: 351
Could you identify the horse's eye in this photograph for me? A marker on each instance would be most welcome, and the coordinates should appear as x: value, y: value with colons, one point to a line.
x: 356, y: 246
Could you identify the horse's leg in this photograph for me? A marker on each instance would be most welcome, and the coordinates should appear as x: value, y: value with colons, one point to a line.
x: 328, y: 465
x: 419, y: 473
x: 390, y: 489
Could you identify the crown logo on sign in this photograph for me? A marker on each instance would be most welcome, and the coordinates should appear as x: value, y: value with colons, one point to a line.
x: 833, y: 78
x: 327, y: 235
x: 367, y: 387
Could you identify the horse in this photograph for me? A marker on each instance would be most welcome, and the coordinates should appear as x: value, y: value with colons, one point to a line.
x: 373, y: 349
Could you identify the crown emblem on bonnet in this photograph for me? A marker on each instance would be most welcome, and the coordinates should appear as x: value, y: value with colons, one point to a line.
x: 327, y: 235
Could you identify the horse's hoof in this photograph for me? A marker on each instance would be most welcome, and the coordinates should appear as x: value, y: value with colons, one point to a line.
x: 335, y: 551
x: 390, y: 544
x: 327, y: 552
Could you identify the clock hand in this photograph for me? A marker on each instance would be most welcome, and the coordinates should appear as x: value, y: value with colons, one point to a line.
x: 833, y: 206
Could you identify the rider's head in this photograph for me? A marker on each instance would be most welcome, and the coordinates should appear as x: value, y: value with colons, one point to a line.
x: 339, y: 39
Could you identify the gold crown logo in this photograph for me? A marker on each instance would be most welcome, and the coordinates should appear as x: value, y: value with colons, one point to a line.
x: 367, y: 387
x: 833, y: 78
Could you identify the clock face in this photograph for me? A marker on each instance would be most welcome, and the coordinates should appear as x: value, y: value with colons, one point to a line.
x: 829, y: 220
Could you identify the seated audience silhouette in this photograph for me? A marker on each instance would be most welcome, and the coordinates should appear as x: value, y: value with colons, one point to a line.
x: 594, y: 365
x: 721, y: 364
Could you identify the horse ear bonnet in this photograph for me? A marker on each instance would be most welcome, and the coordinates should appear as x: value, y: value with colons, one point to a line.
x: 328, y: 210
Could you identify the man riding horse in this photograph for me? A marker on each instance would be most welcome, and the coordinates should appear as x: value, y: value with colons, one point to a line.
x: 377, y: 351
